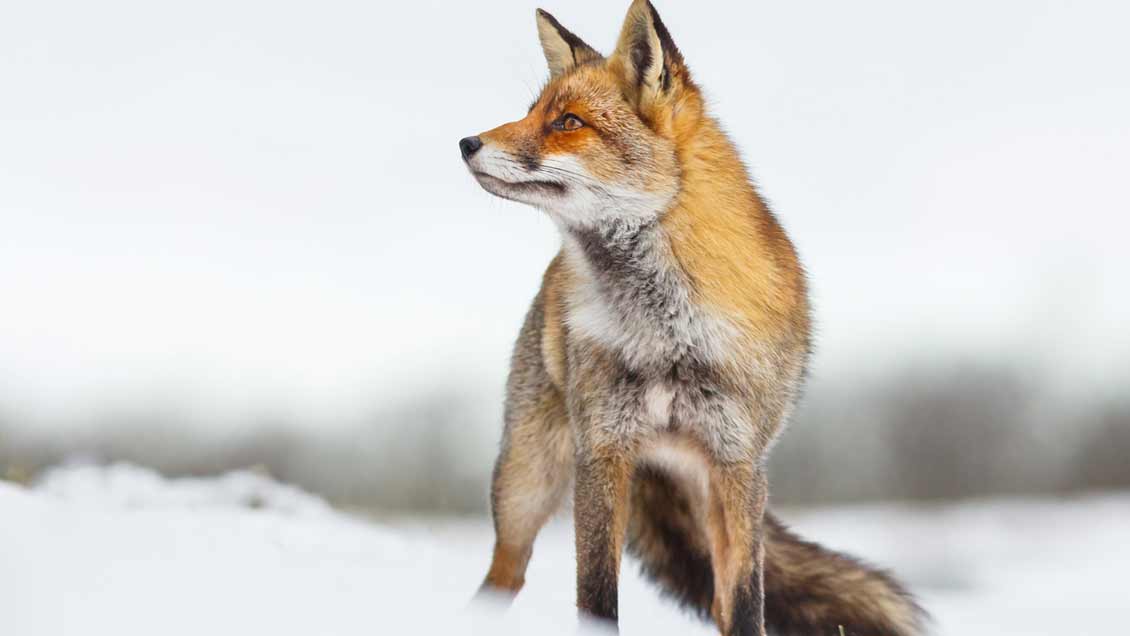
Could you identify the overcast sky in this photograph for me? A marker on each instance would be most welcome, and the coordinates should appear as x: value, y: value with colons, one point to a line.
x: 246, y: 205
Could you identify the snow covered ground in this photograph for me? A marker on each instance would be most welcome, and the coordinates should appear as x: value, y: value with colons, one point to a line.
x: 123, y: 551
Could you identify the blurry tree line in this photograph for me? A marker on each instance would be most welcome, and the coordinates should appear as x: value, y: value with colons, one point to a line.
x: 964, y: 431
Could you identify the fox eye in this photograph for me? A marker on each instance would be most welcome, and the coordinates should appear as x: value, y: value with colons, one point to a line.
x: 568, y: 121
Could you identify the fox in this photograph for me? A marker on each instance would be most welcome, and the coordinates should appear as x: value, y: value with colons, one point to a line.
x: 662, y: 356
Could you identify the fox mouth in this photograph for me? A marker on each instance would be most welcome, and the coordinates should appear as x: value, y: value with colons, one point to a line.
x: 514, y: 190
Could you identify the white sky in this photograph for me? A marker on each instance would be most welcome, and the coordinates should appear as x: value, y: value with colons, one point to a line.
x: 248, y: 205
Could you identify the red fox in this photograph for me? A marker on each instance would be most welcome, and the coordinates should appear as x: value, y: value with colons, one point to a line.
x: 663, y: 354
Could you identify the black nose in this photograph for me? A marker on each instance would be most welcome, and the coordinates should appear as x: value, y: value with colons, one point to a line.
x: 469, y: 146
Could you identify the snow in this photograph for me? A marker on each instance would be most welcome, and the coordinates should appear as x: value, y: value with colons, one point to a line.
x: 121, y: 550
x: 129, y: 486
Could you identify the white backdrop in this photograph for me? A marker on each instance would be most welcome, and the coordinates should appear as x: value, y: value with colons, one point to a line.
x: 247, y: 207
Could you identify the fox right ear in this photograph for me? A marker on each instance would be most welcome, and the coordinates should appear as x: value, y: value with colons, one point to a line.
x: 563, y: 50
x: 646, y: 57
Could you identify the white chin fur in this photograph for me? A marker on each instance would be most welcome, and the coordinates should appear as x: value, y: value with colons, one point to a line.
x: 591, y: 202
x: 583, y: 200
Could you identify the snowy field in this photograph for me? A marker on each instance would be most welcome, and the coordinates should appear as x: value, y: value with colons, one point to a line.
x: 123, y: 551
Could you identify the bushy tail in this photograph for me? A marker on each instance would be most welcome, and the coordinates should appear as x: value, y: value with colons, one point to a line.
x: 809, y: 590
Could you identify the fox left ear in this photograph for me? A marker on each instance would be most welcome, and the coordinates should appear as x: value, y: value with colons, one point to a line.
x: 646, y: 57
x: 563, y: 50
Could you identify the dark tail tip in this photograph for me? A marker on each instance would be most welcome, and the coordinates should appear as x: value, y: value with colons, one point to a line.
x: 812, y: 590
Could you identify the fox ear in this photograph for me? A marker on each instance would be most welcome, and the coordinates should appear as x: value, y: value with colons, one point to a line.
x: 646, y: 57
x: 563, y: 50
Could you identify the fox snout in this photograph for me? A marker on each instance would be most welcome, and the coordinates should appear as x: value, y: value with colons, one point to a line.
x: 468, y: 146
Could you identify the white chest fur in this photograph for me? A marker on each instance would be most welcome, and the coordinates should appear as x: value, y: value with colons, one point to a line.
x: 668, y: 328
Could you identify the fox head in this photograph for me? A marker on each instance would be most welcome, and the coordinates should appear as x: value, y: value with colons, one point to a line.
x: 600, y: 143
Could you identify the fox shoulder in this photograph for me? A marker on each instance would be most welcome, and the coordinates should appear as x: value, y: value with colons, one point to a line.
x: 730, y: 245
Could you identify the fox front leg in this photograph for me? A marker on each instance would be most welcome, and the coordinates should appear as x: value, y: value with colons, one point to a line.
x: 531, y: 478
x: 600, y: 516
x: 734, y: 521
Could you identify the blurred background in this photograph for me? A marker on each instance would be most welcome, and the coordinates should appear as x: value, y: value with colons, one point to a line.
x: 239, y: 234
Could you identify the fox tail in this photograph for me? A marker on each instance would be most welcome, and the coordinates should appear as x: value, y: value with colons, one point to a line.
x: 809, y: 590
